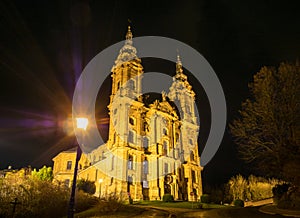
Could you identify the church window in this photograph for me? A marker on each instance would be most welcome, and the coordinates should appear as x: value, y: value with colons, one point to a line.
x: 115, y: 111
x: 146, y: 143
x: 131, y: 120
x: 69, y: 165
x: 188, y: 109
x: 131, y: 84
x: 191, y: 141
x: 165, y: 148
x: 193, y: 176
x: 145, y: 166
x: 130, y: 179
x: 131, y: 137
x: 119, y: 84
x: 166, y: 168
x: 145, y: 184
x: 130, y: 162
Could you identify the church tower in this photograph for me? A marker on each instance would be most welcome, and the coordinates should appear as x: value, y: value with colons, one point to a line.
x: 184, y: 97
x: 126, y: 88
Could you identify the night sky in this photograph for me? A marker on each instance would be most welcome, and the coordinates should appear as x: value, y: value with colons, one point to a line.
x: 45, y: 45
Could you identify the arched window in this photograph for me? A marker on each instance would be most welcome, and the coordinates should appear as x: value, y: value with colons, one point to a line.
x: 145, y: 166
x: 146, y: 143
x: 193, y: 176
x: 166, y: 168
x: 130, y: 162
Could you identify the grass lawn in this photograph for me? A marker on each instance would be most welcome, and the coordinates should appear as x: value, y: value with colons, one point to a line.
x: 178, y: 204
x: 123, y: 211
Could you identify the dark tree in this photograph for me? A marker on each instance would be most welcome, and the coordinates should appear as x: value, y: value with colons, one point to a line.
x: 267, y: 131
x: 86, y: 186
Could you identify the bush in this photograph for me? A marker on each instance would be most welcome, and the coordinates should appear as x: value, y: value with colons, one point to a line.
x: 279, y: 191
x: 238, y: 203
x: 168, y: 198
x: 37, y: 198
x: 110, y: 205
x: 205, y: 198
x: 86, y: 186
x: 84, y: 201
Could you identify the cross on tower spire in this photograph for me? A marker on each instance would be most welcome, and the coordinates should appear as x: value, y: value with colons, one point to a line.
x: 129, y: 36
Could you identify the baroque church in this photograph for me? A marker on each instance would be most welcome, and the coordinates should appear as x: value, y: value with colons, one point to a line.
x: 152, y: 148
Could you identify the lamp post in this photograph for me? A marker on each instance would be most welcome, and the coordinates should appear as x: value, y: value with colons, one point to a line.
x: 81, y: 124
x: 100, y: 182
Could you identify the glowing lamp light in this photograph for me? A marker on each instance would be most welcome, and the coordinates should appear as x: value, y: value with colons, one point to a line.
x: 100, y: 180
x: 82, y: 123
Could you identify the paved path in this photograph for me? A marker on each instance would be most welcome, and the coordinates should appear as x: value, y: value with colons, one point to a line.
x: 272, y: 209
x: 230, y: 212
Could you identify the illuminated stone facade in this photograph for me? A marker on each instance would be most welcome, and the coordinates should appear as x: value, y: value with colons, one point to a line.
x: 152, y: 147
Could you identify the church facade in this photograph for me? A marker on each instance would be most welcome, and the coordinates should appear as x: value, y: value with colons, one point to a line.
x: 152, y: 147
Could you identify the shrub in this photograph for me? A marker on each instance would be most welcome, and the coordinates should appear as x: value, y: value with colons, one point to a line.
x: 37, y: 198
x: 199, y: 206
x: 279, y: 190
x: 168, y: 198
x: 84, y: 201
x: 205, y: 198
x: 110, y: 205
x: 86, y: 186
x: 238, y: 203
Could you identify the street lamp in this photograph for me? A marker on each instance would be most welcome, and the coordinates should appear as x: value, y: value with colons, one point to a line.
x: 100, y: 182
x: 81, y: 123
